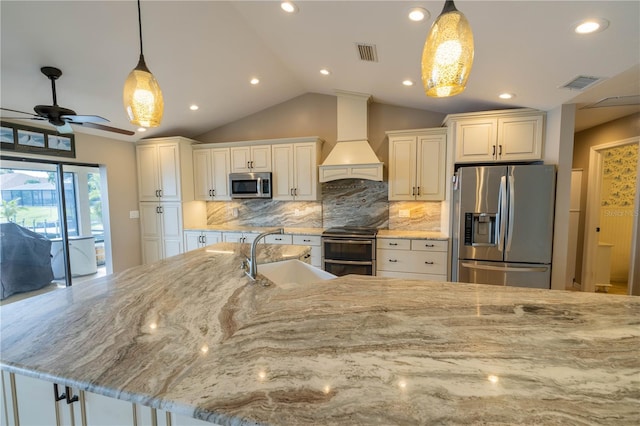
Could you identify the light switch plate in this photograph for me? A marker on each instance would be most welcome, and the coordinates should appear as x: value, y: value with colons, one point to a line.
x: 134, y: 214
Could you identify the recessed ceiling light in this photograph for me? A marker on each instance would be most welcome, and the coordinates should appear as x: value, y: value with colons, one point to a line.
x: 142, y: 129
x: 254, y: 81
x: 407, y: 82
x: 325, y: 71
x: 418, y: 14
x: 194, y: 107
x: 289, y: 7
x: 590, y: 26
x: 506, y: 95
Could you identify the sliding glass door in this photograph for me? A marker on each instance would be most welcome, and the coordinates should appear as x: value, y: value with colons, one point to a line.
x: 49, y: 205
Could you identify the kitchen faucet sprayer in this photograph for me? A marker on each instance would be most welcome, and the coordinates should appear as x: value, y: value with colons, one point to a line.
x: 252, y: 262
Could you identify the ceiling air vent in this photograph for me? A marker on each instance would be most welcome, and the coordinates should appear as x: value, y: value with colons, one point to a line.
x: 581, y: 82
x: 367, y: 52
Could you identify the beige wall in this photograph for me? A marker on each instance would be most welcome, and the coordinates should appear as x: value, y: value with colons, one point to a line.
x: 623, y: 128
x: 119, y: 160
x: 313, y: 114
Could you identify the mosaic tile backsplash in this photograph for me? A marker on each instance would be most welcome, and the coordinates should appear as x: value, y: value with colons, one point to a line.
x: 345, y: 202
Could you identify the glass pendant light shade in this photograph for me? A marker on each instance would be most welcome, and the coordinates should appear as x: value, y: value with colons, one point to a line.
x: 448, y: 54
x: 142, y: 97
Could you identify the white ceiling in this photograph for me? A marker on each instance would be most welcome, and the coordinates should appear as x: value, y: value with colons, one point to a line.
x: 205, y: 52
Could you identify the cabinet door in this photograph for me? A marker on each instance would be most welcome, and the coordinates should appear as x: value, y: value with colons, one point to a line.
x: 148, y: 172
x: 402, y: 168
x: 220, y: 165
x: 34, y: 401
x: 169, y: 163
x: 283, y: 181
x: 305, y: 172
x: 520, y: 138
x: 233, y: 237
x: 475, y: 140
x: 240, y: 159
x: 430, y: 181
x: 209, y: 238
x: 202, y: 173
x: 172, y: 235
x: 261, y: 158
x: 192, y: 240
x: 104, y: 411
x: 150, y: 224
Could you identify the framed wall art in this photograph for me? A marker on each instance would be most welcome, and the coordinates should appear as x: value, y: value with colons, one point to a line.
x: 35, y: 140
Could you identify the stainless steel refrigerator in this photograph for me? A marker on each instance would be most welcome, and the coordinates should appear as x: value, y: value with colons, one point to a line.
x: 503, y: 225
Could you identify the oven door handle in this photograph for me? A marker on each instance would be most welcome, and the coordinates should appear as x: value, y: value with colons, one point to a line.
x: 348, y: 262
x: 327, y: 240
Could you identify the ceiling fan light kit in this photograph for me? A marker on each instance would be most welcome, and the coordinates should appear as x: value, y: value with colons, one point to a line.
x: 447, y: 57
x: 142, y: 96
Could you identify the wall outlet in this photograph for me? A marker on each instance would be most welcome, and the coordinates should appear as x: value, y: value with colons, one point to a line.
x: 134, y: 214
x: 234, y: 212
x: 404, y: 213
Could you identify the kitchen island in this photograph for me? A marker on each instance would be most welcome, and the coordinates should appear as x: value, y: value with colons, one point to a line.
x: 194, y: 336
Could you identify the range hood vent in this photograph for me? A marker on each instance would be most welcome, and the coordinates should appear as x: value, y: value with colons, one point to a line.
x: 352, y: 157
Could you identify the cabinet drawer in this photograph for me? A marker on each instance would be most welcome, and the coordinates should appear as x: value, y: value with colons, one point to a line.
x: 393, y: 243
x: 412, y: 276
x: 412, y: 261
x: 278, y: 239
x: 429, y: 245
x: 307, y: 240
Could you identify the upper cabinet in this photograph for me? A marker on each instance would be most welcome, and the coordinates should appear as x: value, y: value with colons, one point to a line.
x: 211, y: 168
x: 295, y: 170
x: 417, y: 164
x: 500, y: 136
x: 164, y: 169
x: 253, y: 158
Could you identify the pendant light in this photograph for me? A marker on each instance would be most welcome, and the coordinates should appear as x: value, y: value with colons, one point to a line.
x: 448, y: 54
x: 142, y: 96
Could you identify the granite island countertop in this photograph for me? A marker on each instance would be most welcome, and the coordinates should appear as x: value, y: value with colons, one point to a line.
x: 191, y: 334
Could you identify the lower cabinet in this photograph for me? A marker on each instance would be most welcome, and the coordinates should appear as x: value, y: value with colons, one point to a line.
x: 239, y: 237
x: 412, y: 259
x: 198, y: 239
x: 314, y: 241
x: 161, y: 227
x: 33, y: 402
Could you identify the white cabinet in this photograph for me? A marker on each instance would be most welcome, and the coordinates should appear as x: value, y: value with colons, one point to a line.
x: 161, y: 227
x: 251, y: 158
x: 417, y: 164
x: 315, y: 242
x: 510, y: 135
x: 239, y: 237
x: 412, y: 259
x: 278, y: 239
x: 211, y: 167
x: 295, y: 171
x: 198, y: 239
x: 164, y: 169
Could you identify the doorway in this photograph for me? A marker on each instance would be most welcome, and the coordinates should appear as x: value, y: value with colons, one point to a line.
x: 611, y: 226
x: 34, y: 211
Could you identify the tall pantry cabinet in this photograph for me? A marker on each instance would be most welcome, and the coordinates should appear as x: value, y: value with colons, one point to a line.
x: 165, y: 187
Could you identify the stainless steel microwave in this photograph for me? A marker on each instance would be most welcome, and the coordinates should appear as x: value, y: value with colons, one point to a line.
x: 250, y: 185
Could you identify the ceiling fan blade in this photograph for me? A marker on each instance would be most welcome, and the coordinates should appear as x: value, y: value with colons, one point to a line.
x: 65, y: 129
x: 107, y: 128
x: 84, y: 118
x: 19, y: 112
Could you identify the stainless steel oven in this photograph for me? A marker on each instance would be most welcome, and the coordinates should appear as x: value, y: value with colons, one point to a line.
x: 349, y: 250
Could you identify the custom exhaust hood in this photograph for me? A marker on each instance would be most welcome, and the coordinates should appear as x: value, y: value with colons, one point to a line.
x: 352, y: 157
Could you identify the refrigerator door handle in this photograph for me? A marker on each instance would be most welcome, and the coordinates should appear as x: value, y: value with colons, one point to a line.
x: 505, y: 268
x: 511, y: 211
x: 502, y: 205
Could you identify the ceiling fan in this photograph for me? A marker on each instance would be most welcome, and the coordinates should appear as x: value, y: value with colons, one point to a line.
x: 62, y: 117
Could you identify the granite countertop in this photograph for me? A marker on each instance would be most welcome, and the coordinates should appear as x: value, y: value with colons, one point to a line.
x: 191, y: 334
x: 382, y: 233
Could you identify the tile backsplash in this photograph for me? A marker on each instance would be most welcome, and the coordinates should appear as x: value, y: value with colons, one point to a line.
x: 344, y: 202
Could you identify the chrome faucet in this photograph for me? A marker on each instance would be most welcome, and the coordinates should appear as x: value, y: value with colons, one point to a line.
x: 251, y: 262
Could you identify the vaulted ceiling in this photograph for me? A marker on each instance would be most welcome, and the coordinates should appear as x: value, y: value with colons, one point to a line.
x: 205, y: 53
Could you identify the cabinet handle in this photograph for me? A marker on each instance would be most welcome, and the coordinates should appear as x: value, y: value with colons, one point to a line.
x: 70, y: 399
x: 429, y: 245
x: 500, y: 151
x: 56, y: 395
x: 428, y: 263
x: 493, y: 154
x: 393, y: 260
x: 307, y: 241
x: 251, y: 164
x: 160, y: 192
x: 278, y: 239
x: 393, y: 244
x: 291, y: 192
x: 413, y: 190
x: 418, y: 191
x: 161, y: 209
x: 213, y: 192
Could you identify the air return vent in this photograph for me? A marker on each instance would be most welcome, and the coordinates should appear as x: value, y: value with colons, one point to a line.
x: 367, y: 52
x: 581, y: 82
